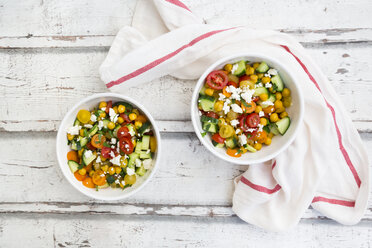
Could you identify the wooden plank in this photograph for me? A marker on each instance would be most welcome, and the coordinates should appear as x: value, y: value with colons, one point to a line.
x: 32, y: 79
x: 200, y: 187
x: 113, y: 231
x: 54, y: 24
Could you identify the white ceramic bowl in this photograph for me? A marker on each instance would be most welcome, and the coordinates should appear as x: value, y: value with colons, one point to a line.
x: 279, y: 143
x: 63, y: 148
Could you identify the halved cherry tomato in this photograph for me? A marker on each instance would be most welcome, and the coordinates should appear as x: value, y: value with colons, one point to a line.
x: 90, y: 147
x: 233, y: 153
x: 212, y: 114
x: 73, y: 155
x: 255, y: 98
x: 243, y: 123
x: 217, y: 138
x: 227, y: 94
x: 105, y: 152
x: 233, y: 84
x: 99, y: 178
x: 126, y: 145
x: 123, y: 132
x: 125, y: 118
x: 88, y: 182
x: 98, y: 140
x: 79, y: 177
x: 249, y: 108
x: 253, y: 120
x: 217, y: 80
x: 260, y: 137
x: 244, y: 78
x: 109, y: 105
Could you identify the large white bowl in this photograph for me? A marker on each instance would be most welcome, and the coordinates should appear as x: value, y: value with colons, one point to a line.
x: 63, y: 148
x: 279, y: 143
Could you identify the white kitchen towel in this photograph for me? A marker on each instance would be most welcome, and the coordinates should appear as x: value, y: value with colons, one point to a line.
x: 325, y: 167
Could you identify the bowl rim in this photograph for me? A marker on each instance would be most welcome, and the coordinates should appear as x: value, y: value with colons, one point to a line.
x: 61, y: 136
x: 195, y: 117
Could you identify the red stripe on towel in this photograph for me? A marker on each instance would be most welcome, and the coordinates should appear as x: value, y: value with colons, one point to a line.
x: 339, y: 136
x: 334, y: 201
x: 179, y: 4
x: 260, y: 188
x: 164, y: 58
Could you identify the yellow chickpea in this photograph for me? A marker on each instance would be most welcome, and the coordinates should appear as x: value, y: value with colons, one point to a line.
x: 278, y: 95
x: 102, y: 114
x: 246, y: 84
x: 132, y: 116
x: 103, y: 159
x: 117, y: 169
x: 70, y: 136
x: 91, y: 173
x: 218, y: 106
x: 81, y: 132
x: 102, y: 105
x: 274, y: 117
x: 115, y: 109
x: 105, y: 168
x: 255, y: 65
x: 264, y: 97
x: 258, y: 109
x: 283, y: 114
x: 268, y: 141
x: 280, y: 110
x: 263, y: 121
x: 111, y: 125
x: 121, y: 108
x: 228, y: 68
x: 257, y: 146
x: 278, y: 104
x: 286, y: 92
x: 270, y: 135
x: 287, y: 101
x: 111, y: 170
x: 249, y: 71
x: 254, y: 78
x: 120, y: 120
x: 82, y: 171
x: 265, y: 80
x: 260, y: 75
x: 123, y: 162
x: 209, y: 91
x: 138, y: 124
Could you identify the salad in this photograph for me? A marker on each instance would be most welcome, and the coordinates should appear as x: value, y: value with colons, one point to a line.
x: 111, y: 145
x: 243, y: 106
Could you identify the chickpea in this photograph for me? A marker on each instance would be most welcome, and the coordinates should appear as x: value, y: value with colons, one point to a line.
x: 209, y: 91
x: 123, y: 162
x: 138, y: 124
x: 111, y: 170
x: 255, y: 65
x: 82, y: 171
x: 274, y: 117
x: 117, y: 169
x: 287, y: 101
x: 70, y: 136
x: 221, y: 121
x: 258, y: 109
x: 268, y: 109
x: 132, y: 116
x: 228, y: 68
x: 265, y: 80
x: 249, y: 71
x: 263, y: 121
x: 286, y: 92
x: 104, y: 167
x: 102, y: 115
x: 268, y: 141
x: 111, y: 125
x: 278, y: 95
x: 115, y: 109
x: 254, y: 78
x: 260, y: 75
x: 120, y: 120
x: 81, y: 132
x: 270, y: 135
x: 283, y: 114
x: 121, y: 108
x: 264, y: 97
x: 257, y: 146
x: 280, y: 110
x: 232, y: 115
x: 218, y: 106
x: 102, y: 105
x: 278, y: 104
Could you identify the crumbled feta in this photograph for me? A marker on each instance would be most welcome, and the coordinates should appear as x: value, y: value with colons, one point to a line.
x: 234, y: 68
x: 113, y: 115
x: 258, y: 85
x: 268, y: 103
x: 226, y: 107
x: 247, y: 95
x: 113, y: 141
x: 236, y: 108
x: 131, y: 132
x: 130, y: 171
x: 221, y: 97
x: 261, y: 113
x: 93, y: 118
x: 242, y: 139
x: 268, y: 85
x: 112, y: 154
x: 88, y: 126
x: 98, y: 160
x: 100, y: 125
x: 260, y: 127
x: 251, y: 130
x: 237, y: 131
x: 234, y: 123
x: 147, y: 163
x: 272, y: 72
x: 112, y: 147
x: 267, y: 75
x: 116, y: 160
x: 138, y: 162
x: 88, y: 154
x: 74, y: 130
x: 117, y: 181
x: 200, y: 113
x: 123, y: 182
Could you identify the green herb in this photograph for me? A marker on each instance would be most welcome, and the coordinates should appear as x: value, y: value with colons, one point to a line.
x: 203, y: 134
x: 246, y: 104
x: 239, y: 151
x: 96, y: 187
x: 275, y: 87
x: 78, y: 146
x: 266, y: 129
x: 106, y: 144
x: 249, y: 135
x: 127, y: 186
x: 233, y: 100
x: 81, y: 166
x: 110, y: 179
x: 86, y: 134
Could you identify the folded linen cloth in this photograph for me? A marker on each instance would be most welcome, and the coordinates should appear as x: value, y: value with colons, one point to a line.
x: 325, y: 167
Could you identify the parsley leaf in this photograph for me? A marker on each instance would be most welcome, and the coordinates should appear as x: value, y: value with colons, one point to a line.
x: 266, y: 129
x: 96, y: 187
x: 246, y: 104
x: 127, y: 186
x: 106, y: 144
x: 203, y: 134
x: 80, y: 166
x: 110, y: 179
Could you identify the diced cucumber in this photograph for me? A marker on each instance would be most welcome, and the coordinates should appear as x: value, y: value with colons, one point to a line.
x: 202, y: 90
x: 283, y: 125
x: 240, y: 68
x: 132, y: 159
x: 208, y: 119
x: 93, y: 130
x: 138, y: 147
x: 209, y: 127
x: 88, y: 160
x: 277, y: 82
x: 145, y: 155
x: 115, y: 131
x: 144, y: 128
x: 131, y: 128
x: 218, y: 145
x: 76, y: 122
x: 105, y: 122
x: 141, y: 171
x: 250, y: 148
x: 262, y: 68
x: 260, y: 90
x: 231, y: 142
x: 274, y: 129
x: 83, y: 141
x: 73, y: 166
x: 272, y: 98
x: 207, y: 102
x: 74, y: 145
x: 145, y: 142
x: 103, y: 186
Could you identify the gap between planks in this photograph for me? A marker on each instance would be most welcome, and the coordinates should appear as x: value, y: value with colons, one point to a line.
x: 165, y: 126
x: 134, y: 209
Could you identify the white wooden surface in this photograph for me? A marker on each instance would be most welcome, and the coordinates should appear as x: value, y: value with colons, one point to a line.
x: 49, y: 55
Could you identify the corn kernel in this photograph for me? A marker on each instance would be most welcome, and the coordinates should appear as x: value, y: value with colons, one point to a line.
x: 274, y: 117
x: 121, y: 108
x: 254, y: 78
x: 132, y: 116
x: 120, y: 120
x: 265, y: 80
x: 111, y: 125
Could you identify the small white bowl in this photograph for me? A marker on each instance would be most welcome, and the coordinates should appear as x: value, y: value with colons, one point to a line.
x: 109, y: 194
x: 279, y: 143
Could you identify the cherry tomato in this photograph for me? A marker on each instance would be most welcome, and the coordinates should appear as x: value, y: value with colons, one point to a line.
x: 217, y: 138
x: 243, y: 123
x: 212, y: 114
x: 105, y: 152
x: 90, y: 147
x: 123, y: 132
x: 253, y: 120
x: 126, y: 118
x: 255, y: 98
x: 217, y: 80
x: 88, y: 182
x: 233, y: 84
x: 79, y: 177
x: 98, y: 140
x: 109, y: 105
x: 249, y: 108
x: 126, y: 145
x: 244, y: 78
x: 73, y: 155
x: 233, y: 153
x: 99, y: 177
